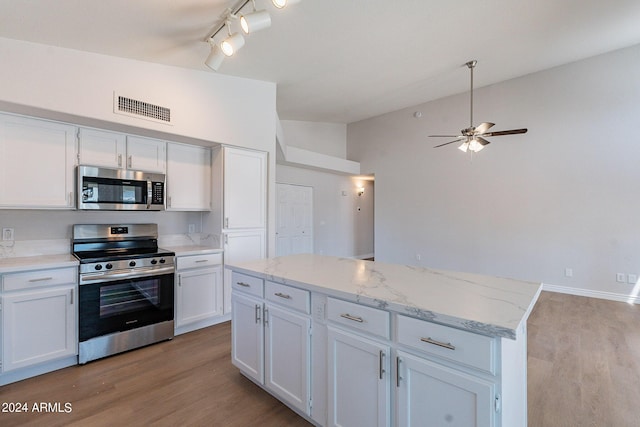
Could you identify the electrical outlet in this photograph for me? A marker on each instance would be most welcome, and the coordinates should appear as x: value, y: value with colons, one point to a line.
x: 7, y: 234
x: 568, y: 272
x: 632, y: 279
x: 192, y: 228
x: 620, y: 278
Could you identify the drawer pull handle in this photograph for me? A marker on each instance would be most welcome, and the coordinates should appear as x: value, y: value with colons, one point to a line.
x: 42, y: 279
x: 281, y: 295
x: 246, y: 285
x: 350, y: 317
x: 202, y: 260
x: 447, y: 345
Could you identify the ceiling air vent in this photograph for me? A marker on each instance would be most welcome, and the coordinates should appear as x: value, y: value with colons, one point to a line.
x: 145, y: 110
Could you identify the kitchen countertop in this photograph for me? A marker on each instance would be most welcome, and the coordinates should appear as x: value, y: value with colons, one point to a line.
x: 482, y: 304
x: 40, y: 262
x: 193, y: 250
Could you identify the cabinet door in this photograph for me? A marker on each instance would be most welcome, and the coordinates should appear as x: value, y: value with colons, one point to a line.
x: 102, y: 148
x: 146, y: 154
x: 247, y: 336
x: 241, y: 246
x: 198, y: 295
x: 287, y: 357
x: 359, y: 381
x: 433, y: 395
x: 38, y: 326
x: 245, y: 188
x: 37, y: 163
x: 188, y: 178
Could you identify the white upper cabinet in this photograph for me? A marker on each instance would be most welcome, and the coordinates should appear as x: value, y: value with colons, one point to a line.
x: 188, y: 177
x: 119, y: 151
x: 245, y: 188
x: 37, y: 163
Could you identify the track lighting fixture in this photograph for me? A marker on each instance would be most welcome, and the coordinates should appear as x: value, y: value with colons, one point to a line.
x: 250, y: 23
x: 255, y: 21
x: 283, y: 3
x: 216, y: 56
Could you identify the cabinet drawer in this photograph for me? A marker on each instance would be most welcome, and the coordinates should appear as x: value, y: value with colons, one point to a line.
x: 359, y: 317
x: 247, y: 284
x: 297, y: 299
x: 35, y: 279
x: 193, y: 261
x: 470, y: 349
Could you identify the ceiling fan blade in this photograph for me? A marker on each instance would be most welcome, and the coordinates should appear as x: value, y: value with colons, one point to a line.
x: 482, y: 141
x: 505, y: 132
x: 446, y: 143
x: 446, y: 136
x: 483, y: 127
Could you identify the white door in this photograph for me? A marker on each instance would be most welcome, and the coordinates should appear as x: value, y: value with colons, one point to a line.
x: 245, y: 188
x: 188, y: 177
x: 199, y: 295
x: 102, y: 148
x: 37, y: 163
x: 247, y: 336
x: 38, y: 326
x: 294, y: 219
x: 287, y: 357
x: 359, y: 381
x: 146, y: 154
x: 433, y: 395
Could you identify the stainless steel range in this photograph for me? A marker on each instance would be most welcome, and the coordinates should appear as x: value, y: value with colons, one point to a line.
x: 125, y: 289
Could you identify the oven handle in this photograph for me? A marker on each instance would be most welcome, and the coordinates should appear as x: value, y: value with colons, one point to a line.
x: 128, y: 274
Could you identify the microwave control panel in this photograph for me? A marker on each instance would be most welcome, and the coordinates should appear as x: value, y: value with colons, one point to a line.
x: 157, y: 193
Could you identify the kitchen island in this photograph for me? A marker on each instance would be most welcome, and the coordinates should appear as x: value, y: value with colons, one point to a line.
x: 352, y: 342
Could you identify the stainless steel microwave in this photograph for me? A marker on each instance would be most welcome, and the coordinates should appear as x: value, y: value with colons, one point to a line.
x: 119, y: 189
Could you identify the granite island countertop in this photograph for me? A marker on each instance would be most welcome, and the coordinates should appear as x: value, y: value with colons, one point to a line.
x: 482, y: 304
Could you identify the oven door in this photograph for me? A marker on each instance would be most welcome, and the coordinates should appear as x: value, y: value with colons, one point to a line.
x: 123, y: 301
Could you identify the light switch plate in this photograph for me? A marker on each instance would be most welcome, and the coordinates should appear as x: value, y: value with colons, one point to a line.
x: 7, y: 234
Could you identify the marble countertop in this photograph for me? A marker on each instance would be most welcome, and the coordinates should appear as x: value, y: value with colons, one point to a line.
x: 482, y: 304
x: 193, y: 250
x: 40, y: 262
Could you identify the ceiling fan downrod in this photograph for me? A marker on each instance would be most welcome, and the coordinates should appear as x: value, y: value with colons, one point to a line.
x: 471, y: 64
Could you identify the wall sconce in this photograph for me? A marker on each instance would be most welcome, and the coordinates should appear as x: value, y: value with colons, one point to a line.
x: 360, y: 191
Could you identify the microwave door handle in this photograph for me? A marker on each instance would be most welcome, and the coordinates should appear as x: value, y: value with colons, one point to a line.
x: 148, y: 194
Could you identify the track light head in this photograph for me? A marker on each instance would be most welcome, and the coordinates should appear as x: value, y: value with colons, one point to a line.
x: 255, y: 21
x: 283, y: 3
x: 232, y: 44
x: 215, y: 58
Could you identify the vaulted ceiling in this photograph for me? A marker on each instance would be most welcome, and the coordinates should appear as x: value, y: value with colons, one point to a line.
x: 342, y: 60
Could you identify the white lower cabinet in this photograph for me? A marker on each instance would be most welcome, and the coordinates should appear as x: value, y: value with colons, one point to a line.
x: 359, y: 381
x: 198, y: 296
x: 271, y: 341
x: 39, y: 318
x: 429, y: 394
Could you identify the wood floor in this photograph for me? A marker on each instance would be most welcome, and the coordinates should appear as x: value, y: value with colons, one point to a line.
x: 584, y: 370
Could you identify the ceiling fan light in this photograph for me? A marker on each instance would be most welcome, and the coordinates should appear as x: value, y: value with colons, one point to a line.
x: 232, y: 44
x: 215, y: 58
x: 475, y: 145
x: 464, y: 147
x: 283, y: 3
x: 255, y: 21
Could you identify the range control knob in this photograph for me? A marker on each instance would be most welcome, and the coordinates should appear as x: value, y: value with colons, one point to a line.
x: 154, y: 261
x: 162, y: 261
x: 109, y: 266
x: 132, y: 264
x: 98, y: 267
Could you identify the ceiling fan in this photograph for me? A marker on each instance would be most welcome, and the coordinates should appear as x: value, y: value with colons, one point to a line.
x: 473, y: 138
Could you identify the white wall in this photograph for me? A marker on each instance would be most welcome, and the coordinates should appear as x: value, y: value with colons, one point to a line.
x: 335, y: 229
x: 320, y: 137
x: 564, y: 195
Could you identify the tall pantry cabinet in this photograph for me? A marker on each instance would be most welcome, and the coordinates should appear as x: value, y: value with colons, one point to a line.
x: 242, y: 220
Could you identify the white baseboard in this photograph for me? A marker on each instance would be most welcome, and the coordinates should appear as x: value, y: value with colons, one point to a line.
x: 629, y: 299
